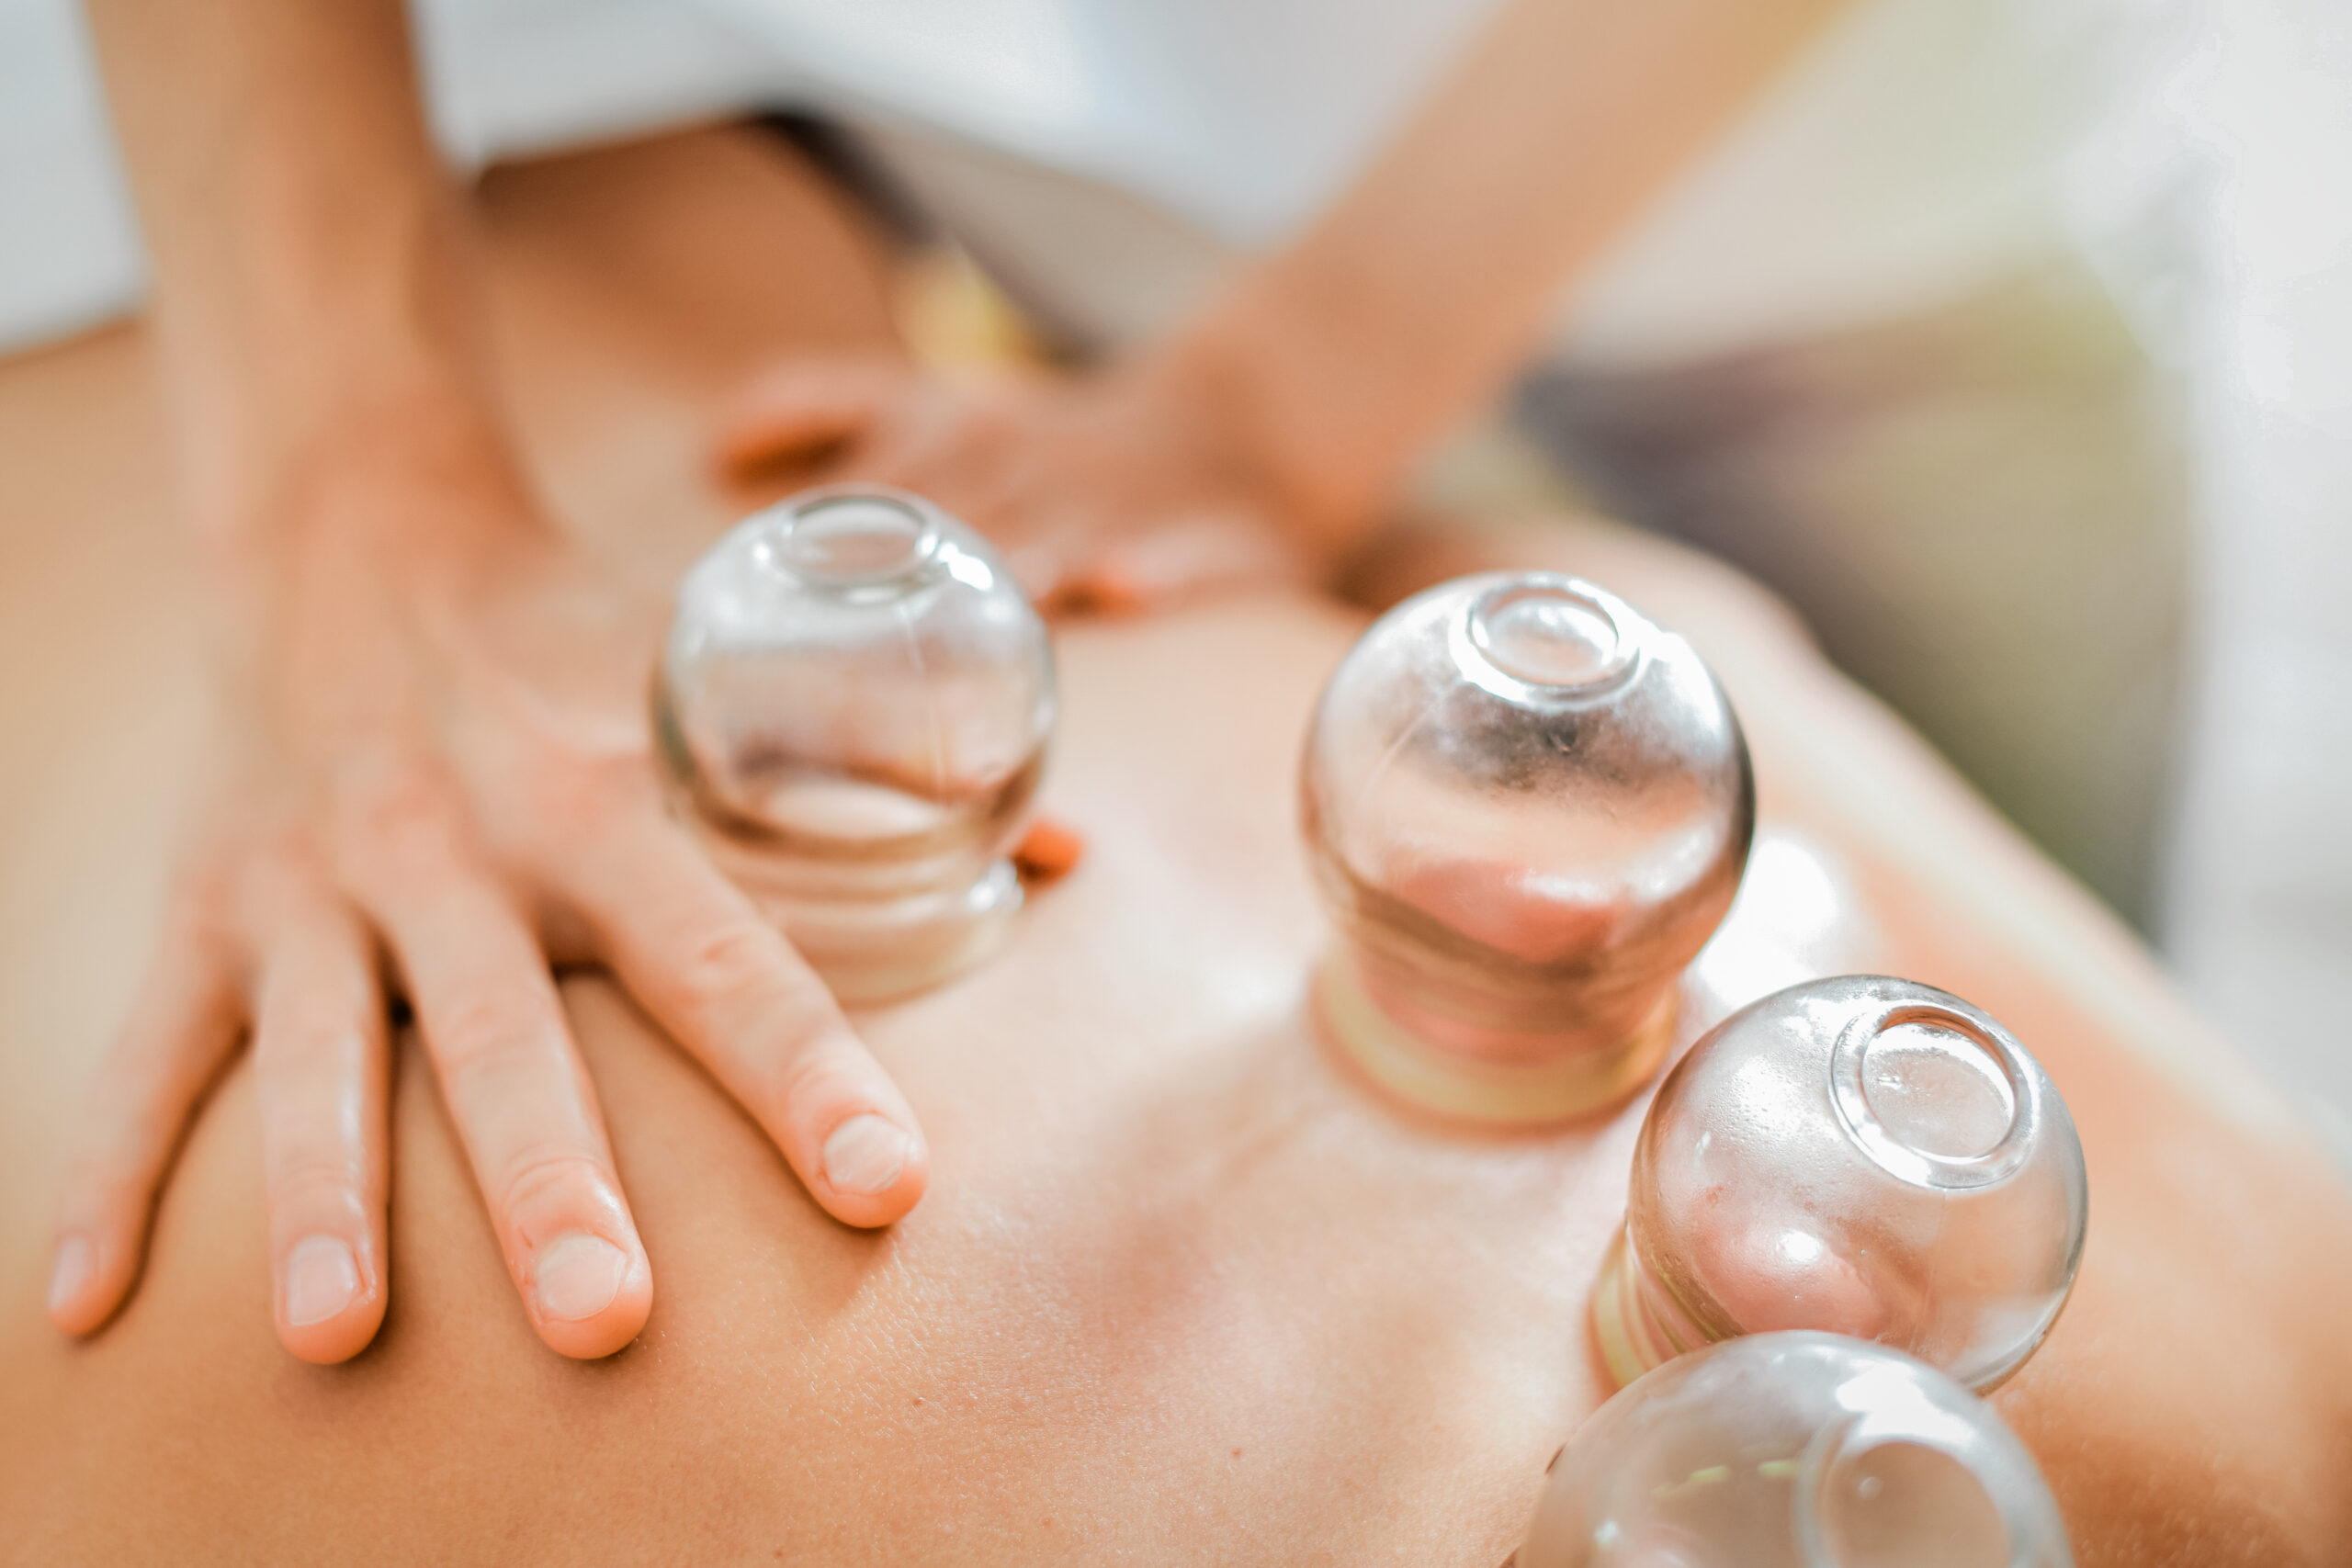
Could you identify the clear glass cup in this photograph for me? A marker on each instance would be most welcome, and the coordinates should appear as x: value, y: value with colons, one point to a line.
x: 1863, y: 1156
x: 1795, y: 1450
x: 851, y: 711
x: 1526, y: 809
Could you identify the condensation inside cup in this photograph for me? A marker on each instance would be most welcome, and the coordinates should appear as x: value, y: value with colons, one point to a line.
x: 1907, y: 1505
x: 1526, y: 809
x: 853, y: 540
x: 1548, y: 636
x: 821, y: 809
x: 853, y: 711
x: 1938, y: 1090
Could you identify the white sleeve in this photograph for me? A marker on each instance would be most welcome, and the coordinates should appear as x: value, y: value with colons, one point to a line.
x: 501, y: 78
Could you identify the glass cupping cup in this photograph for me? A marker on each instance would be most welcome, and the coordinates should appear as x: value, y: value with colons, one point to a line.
x: 852, y: 710
x: 1863, y: 1156
x: 1795, y: 1450
x: 1526, y: 809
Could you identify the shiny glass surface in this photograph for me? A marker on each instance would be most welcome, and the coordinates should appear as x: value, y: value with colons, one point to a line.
x: 1795, y: 1450
x: 1863, y: 1156
x: 852, y: 710
x: 1527, y: 808
x: 1801, y: 915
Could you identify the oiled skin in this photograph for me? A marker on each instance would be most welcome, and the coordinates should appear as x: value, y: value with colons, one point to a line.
x: 1182, y: 1289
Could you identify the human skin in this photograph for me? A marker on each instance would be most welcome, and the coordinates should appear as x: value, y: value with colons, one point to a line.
x: 1192, y: 1291
x: 1273, y: 429
x: 1186, y: 1291
x: 407, y: 647
x: 415, y: 783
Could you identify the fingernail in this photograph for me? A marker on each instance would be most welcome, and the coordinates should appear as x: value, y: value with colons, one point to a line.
x: 321, y: 1279
x: 864, y: 1155
x: 76, y: 1265
x: 579, y: 1275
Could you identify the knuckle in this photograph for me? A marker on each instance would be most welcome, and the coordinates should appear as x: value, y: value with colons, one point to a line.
x: 392, y: 814
x: 825, y: 1071
x: 313, y: 1176
x: 481, y: 1032
x: 735, y: 957
x: 566, y: 794
x: 571, y: 793
x: 747, y: 996
x: 538, y: 1177
x: 403, y: 798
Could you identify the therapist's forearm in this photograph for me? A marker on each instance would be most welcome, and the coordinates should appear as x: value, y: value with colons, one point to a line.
x: 311, y: 278
x: 1416, y: 295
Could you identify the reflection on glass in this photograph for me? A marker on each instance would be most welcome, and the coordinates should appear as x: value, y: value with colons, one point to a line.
x: 1862, y: 1155
x: 1795, y: 1450
x: 1527, y: 808
x: 851, y: 711
x: 1800, y: 915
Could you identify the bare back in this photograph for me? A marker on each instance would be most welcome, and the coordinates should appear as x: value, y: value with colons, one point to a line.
x: 1183, y: 1290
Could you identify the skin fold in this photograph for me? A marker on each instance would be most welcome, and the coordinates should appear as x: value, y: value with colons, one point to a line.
x: 1184, y: 1289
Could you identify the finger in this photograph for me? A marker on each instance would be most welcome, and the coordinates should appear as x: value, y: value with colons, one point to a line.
x: 1183, y: 559
x: 801, y: 408
x: 1048, y: 562
x: 183, y: 1026
x: 1067, y: 565
x: 320, y: 1071
x: 733, y: 992
x: 519, y: 1096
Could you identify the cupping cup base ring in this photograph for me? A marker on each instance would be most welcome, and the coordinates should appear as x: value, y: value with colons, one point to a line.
x: 1629, y: 1334
x: 1614, y: 1319
x: 1467, y: 1089
x: 870, y: 952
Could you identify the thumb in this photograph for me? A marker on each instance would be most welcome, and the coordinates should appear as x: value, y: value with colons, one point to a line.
x: 799, y: 409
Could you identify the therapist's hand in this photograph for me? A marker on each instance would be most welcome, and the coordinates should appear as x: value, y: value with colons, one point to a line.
x: 432, y: 772
x: 1121, y: 490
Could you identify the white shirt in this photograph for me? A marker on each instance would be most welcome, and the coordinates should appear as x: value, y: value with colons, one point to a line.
x: 1915, y: 150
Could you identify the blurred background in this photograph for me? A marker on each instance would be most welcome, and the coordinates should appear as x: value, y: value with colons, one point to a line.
x: 2010, y: 341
